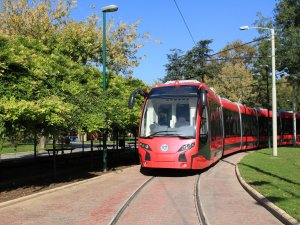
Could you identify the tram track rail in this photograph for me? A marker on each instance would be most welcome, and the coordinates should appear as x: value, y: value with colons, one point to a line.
x: 197, y: 202
x: 130, y: 199
x: 198, y: 206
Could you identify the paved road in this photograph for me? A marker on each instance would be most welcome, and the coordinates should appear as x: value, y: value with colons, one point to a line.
x: 226, y: 202
x: 97, y: 201
x: 165, y: 200
x: 92, y: 202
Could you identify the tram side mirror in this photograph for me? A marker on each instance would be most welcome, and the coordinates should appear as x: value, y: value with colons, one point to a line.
x: 131, y: 100
x: 203, y: 97
x: 132, y: 97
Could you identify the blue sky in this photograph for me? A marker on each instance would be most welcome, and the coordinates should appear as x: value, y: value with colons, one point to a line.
x: 218, y: 20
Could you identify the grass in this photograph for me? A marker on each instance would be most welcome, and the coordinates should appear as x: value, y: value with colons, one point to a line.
x: 8, y: 148
x: 277, y: 178
x: 28, y: 147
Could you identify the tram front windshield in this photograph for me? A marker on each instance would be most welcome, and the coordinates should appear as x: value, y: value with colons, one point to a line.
x: 170, y: 111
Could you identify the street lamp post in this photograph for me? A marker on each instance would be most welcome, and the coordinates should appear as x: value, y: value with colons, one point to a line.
x: 106, y: 9
x: 268, y: 105
x: 274, y: 100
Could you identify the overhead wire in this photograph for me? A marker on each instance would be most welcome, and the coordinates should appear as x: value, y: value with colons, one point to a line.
x: 237, y: 58
x: 225, y: 50
x: 185, y: 23
x: 247, y: 43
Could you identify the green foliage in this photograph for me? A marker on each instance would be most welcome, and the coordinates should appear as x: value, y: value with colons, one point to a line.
x: 276, y: 178
x: 175, y: 66
x: 120, y: 116
x: 235, y: 83
x: 49, y: 22
x: 36, y: 19
x: 233, y: 78
x: 236, y: 52
x: 192, y: 65
x: 49, y: 76
x: 287, y: 43
x: 38, y: 90
x: 196, y: 64
x: 287, y: 21
x: 79, y: 41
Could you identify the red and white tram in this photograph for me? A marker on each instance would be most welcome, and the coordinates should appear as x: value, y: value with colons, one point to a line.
x: 186, y: 125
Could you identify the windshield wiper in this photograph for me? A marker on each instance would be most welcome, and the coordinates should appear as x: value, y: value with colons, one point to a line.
x: 186, y: 137
x: 158, y: 132
x: 182, y: 136
x: 169, y: 134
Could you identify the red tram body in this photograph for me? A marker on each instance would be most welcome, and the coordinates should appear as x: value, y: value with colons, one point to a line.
x: 186, y: 125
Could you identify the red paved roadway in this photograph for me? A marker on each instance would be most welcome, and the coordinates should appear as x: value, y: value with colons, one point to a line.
x: 226, y: 202
x: 165, y: 200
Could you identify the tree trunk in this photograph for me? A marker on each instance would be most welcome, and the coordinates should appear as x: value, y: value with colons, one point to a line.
x: 43, y: 142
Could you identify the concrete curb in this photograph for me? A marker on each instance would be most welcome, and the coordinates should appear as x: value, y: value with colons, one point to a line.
x: 276, y: 211
x: 28, y: 197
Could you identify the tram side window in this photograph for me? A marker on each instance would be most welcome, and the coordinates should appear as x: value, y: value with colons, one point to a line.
x: 227, y: 123
x: 231, y: 123
x: 249, y: 125
x: 237, y: 124
x: 246, y: 125
x: 204, y: 127
x: 298, y: 126
x: 263, y: 126
x: 215, y: 120
x: 287, y: 126
x: 253, y: 126
x: 279, y: 126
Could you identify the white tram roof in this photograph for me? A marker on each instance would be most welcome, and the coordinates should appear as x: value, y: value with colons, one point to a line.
x: 182, y: 81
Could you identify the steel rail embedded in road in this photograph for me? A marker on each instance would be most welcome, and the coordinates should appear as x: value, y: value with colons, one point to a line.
x: 198, y: 205
x: 127, y: 203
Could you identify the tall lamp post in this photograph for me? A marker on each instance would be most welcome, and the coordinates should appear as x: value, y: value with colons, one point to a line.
x: 106, y: 9
x: 274, y: 100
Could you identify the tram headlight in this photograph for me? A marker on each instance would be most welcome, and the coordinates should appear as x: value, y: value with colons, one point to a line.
x: 145, y: 146
x: 186, y: 147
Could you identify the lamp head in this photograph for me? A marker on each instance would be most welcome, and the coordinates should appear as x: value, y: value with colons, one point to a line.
x: 109, y: 8
x: 244, y: 28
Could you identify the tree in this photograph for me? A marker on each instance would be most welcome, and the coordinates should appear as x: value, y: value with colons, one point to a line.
x: 287, y: 31
x: 118, y: 94
x: 195, y: 61
x: 237, y: 52
x: 194, y: 64
x: 49, y: 76
x: 35, y: 88
x: 233, y: 77
x: 37, y: 19
x: 235, y: 82
x: 48, y: 21
x: 287, y: 22
x: 175, y: 66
